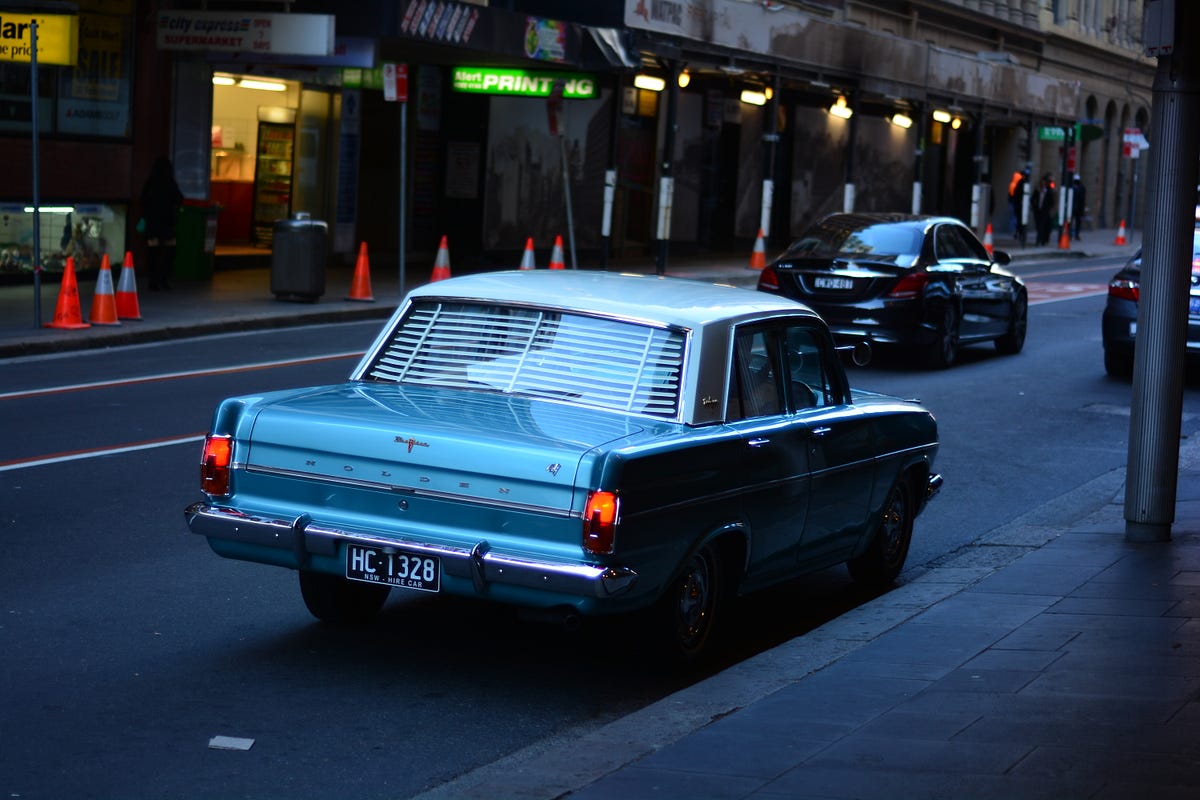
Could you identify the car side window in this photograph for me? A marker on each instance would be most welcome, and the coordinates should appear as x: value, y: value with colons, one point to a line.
x: 807, y: 372
x: 952, y: 243
x: 754, y: 387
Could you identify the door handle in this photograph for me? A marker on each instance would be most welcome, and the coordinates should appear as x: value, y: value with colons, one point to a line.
x: 821, y: 431
x: 759, y: 442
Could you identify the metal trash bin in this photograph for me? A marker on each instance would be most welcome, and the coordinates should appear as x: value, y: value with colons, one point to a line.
x: 298, y: 251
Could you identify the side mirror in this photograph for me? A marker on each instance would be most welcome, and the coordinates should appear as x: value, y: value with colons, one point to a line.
x: 1001, y: 257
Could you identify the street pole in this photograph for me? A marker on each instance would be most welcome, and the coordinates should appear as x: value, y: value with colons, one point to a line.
x: 666, y: 183
x: 771, y: 141
x: 37, y: 200
x: 918, y: 154
x: 1157, y: 402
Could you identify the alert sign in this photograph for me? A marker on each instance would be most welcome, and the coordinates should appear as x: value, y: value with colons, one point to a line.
x: 395, y: 82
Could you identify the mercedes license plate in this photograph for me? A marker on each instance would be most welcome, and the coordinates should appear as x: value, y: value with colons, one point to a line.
x: 393, y: 568
x: 826, y: 282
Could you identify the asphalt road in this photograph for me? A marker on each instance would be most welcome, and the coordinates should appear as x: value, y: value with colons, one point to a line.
x: 130, y: 645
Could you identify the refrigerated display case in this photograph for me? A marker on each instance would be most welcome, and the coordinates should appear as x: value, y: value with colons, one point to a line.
x: 272, y: 178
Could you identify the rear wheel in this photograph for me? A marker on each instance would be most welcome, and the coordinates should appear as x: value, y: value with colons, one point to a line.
x: 1011, y: 342
x: 884, y: 558
x: 945, y: 347
x: 1118, y: 364
x: 337, y: 600
x: 690, y: 608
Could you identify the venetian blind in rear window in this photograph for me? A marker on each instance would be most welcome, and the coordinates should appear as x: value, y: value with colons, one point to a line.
x: 592, y: 361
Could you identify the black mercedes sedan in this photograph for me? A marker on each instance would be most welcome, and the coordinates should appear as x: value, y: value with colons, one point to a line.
x: 1119, y: 322
x: 922, y: 283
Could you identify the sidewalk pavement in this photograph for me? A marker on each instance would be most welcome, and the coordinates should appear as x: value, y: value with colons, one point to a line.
x: 242, y: 299
x: 1049, y: 659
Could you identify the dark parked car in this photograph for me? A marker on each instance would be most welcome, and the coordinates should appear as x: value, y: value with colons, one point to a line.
x: 1119, y: 323
x: 578, y: 443
x: 926, y: 284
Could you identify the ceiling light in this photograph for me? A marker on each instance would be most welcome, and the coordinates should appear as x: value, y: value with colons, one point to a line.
x: 685, y: 78
x: 956, y: 123
x: 649, y: 82
x: 223, y: 80
x: 266, y: 86
x: 902, y: 120
x: 941, y: 116
x: 754, y: 98
x: 769, y: 92
x: 840, y: 109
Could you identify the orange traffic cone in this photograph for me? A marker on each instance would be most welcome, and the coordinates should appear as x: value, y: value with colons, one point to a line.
x: 127, y: 299
x: 527, y: 259
x: 104, y: 302
x: 758, y: 257
x: 988, y: 242
x: 441, y: 265
x: 1121, y: 235
x: 66, y: 313
x: 360, y: 284
x: 1064, y: 239
x: 556, y: 255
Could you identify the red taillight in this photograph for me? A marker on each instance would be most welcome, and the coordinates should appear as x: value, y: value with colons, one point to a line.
x: 600, y: 523
x: 911, y: 285
x: 768, y: 280
x: 214, y: 465
x: 1124, y: 289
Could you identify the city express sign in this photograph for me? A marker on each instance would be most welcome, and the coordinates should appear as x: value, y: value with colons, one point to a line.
x: 485, y: 80
x: 57, y: 35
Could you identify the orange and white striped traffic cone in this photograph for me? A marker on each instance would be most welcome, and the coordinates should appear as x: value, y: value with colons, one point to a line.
x: 1121, y: 235
x: 989, y: 242
x: 104, y: 301
x: 67, y: 314
x: 556, y: 255
x: 527, y: 259
x: 1064, y: 239
x: 441, y: 265
x: 127, y: 299
x: 758, y: 257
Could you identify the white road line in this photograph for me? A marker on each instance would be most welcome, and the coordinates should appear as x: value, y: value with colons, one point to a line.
x: 167, y: 376
x: 77, y: 455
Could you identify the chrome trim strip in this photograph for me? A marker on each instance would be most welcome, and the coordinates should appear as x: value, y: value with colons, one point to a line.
x: 477, y: 563
x: 408, y: 491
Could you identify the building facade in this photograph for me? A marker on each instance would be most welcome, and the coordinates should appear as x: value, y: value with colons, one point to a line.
x: 624, y: 126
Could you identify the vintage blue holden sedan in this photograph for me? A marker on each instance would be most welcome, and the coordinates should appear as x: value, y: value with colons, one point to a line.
x: 579, y: 443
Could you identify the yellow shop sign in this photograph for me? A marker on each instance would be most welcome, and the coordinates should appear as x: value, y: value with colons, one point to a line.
x: 57, y: 34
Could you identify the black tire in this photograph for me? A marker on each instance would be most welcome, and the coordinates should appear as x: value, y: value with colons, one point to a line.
x: 944, y: 349
x: 883, y: 559
x: 339, y: 601
x: 690, y: 609
x: 1011, y: 342
x: 1118, y: 364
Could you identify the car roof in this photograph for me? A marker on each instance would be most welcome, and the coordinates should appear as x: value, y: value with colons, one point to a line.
x: 650, y: 298
x: 862, y: 219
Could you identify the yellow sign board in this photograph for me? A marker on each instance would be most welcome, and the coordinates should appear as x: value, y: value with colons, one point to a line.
x: 57, y: 35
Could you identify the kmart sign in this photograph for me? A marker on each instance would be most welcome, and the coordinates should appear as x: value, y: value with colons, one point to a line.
x: 485, y: 80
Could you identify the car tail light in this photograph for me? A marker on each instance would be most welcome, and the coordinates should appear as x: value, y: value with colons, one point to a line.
x: 214, y: 465
x: 1124, y: 289
x: 911, y: 285
x: 600, y: 523
x: 768, y: 280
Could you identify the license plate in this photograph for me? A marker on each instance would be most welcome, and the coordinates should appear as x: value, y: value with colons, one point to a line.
x: 833, y: 283
x: 393, y: 568
x: 1194, y: 306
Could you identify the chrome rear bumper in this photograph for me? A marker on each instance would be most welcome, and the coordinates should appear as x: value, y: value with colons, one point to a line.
x: 479, y: 564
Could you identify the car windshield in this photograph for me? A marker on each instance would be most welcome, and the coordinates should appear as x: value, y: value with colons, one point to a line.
x: 885, y: 241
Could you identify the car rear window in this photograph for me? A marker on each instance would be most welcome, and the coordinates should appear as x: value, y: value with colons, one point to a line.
x: 892, y: 241
x: 593, y: 361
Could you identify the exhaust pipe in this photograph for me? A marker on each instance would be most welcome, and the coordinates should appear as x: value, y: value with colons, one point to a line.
x: 564, y: 617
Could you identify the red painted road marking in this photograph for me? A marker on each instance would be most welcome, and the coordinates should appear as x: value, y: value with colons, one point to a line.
x: 1041, y: 292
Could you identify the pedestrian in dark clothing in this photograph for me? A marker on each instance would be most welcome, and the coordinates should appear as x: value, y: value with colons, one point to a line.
x: 161, y: 200
x: 1016, y: 198
x: 1078, y: 206
x: 1043, y: 209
